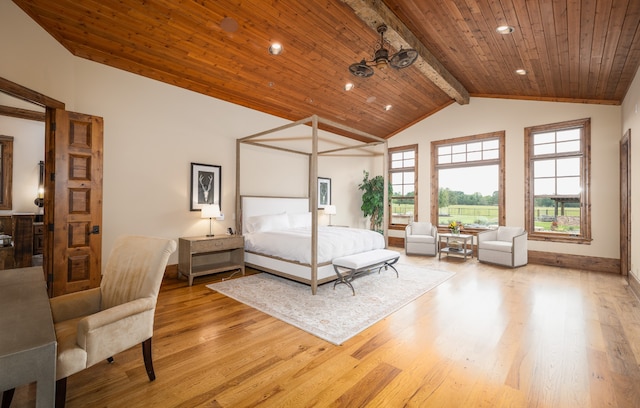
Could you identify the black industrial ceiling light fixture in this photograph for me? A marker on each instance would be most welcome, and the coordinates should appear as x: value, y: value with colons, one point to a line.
x: 401, y: 59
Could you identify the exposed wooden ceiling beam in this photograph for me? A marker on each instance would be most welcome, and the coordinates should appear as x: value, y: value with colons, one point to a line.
x: 375, y: 12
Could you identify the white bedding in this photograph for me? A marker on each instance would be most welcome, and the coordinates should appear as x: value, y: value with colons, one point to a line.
x: 295, y: 244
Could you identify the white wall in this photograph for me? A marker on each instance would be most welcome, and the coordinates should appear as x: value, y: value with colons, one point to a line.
x: 152, y: 132
x: 28, y: 151
x: 483, y: 115
x: 631, y: 121
x: 346, y: 173
x: 287, y: 174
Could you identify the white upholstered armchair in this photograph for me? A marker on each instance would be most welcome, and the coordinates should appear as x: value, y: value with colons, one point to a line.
x: 421, y: 238
x: 504, y: 246
x: 95, y: 324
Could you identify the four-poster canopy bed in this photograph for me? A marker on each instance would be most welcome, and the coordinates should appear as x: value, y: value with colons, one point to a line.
x: 291, y: 223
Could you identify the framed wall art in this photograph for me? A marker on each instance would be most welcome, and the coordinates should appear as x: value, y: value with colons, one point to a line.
x: 324, y: 192
x: 205, y: 185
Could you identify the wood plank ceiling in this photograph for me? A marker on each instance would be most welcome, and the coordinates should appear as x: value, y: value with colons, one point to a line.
x: 575, y: 51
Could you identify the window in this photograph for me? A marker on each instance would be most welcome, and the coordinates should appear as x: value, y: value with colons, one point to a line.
x: 403, y: 171
x: 467, y: 182
x: 6, y: 172
x: 557, y: 171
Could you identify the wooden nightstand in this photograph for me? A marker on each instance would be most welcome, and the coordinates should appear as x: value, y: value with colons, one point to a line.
x: 199, y: 256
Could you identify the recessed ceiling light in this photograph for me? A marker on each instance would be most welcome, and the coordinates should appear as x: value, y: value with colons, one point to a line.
x: 505, y: 29
x: 275, y: 49
x: 388, y: 107
x: 521, y: 71
x: 348, y: 86
x: 371, y: 99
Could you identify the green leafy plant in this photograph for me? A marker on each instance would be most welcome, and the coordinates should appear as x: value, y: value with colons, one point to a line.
x: 373, y: 200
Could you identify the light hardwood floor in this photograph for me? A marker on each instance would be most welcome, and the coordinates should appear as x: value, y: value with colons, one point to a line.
x: 489, y: 337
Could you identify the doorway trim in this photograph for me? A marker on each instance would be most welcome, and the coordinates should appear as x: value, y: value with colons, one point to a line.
x: 28, y: 95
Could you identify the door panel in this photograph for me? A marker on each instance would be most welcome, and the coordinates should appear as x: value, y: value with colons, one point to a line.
x: 76, y: 179
x: 625, y: 203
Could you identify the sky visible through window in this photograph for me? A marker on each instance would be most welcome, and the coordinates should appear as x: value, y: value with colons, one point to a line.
x: 470, y: 180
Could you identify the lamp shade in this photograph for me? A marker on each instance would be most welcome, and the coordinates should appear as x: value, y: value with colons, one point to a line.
x: 330, y: 210
x: 210, y: 211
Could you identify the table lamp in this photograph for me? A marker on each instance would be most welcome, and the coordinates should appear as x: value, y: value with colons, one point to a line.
x: 210, y: 211
x: 330, y: 210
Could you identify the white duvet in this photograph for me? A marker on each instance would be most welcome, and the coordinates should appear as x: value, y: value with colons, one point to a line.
x: 295, y: 244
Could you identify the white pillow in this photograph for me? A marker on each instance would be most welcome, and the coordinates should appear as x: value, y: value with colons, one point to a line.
x: 299, y: 220
x: 261, y: 223
x: 507, y: 233
x: 421, y: 228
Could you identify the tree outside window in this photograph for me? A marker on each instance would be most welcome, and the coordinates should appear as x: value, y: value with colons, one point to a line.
x: 557, y: 199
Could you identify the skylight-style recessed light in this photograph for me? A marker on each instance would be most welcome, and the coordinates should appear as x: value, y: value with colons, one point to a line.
x: 387, y: 107
x: 521, y: 71
x: 275, y: 49
x: 348, y: 86
x: 505, y: 29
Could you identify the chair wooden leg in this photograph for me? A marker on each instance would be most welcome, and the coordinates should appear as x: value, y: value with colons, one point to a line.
x: 61, y: 392
x: 7, y: 397
x: 148, y: 362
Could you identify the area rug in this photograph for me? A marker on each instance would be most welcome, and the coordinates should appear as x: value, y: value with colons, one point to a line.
x: 334, y: 315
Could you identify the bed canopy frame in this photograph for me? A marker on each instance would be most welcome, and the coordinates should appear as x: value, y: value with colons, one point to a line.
x: 361, y: 141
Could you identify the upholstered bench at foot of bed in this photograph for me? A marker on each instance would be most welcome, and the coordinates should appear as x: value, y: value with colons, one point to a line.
x: 352, y: 265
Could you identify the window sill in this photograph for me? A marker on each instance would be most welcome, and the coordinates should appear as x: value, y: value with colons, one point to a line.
x: 559, y: 238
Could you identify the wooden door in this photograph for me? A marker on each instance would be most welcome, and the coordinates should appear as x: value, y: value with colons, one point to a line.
x: 73, y: 201
x: 625, y: 203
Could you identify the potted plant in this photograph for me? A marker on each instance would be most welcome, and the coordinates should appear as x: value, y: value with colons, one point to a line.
x: 373, y: 200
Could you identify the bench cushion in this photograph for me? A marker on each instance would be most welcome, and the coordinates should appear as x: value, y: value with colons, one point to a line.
x: 364, y: 259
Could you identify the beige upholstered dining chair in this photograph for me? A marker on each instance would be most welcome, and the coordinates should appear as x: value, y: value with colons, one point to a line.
x: 95, y: 324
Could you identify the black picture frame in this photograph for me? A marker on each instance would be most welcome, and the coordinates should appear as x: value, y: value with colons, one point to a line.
x: 324, y: 192
x: 206, y: 185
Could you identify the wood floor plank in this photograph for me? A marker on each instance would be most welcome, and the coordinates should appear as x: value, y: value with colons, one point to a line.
x: 487, y: 337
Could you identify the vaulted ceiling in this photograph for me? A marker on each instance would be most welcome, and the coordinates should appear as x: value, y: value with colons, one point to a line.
x: 576, y: 51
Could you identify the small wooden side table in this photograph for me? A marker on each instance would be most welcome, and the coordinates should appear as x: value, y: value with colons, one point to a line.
x: 199, y: 256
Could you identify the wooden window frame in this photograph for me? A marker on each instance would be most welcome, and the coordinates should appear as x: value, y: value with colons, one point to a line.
x: 6, y: 200
x: 585, y: 180
x: 500, y: 135
x: 392, y: 150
